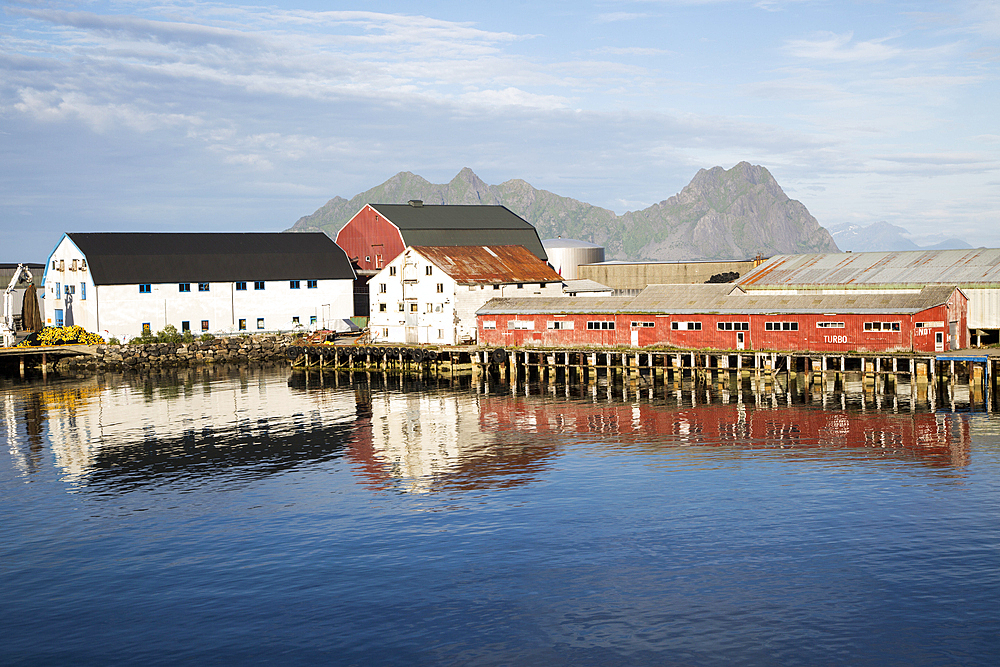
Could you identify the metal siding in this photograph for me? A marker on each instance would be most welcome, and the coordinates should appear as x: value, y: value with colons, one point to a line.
x: 984, y: 308
x: 361, y: 235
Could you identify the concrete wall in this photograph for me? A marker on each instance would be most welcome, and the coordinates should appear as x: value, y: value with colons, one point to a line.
x: 638, y: 275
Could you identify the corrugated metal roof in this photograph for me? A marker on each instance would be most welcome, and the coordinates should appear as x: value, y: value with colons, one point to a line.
x: 466, y: 225
x: 489, y: 264
x: 725, y: 299
x: 128, y: 258
x: 540, y: 305
x: 965, y: 268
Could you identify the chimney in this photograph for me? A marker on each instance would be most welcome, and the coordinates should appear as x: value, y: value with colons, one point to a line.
x: 416, y: 202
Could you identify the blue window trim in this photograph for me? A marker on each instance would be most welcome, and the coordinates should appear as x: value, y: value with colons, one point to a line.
x: 183, y: 287
x: 258, y: 284
x: 311, y: 284
x: 203, y: 287
x: 58, y: 290
x: 83, y: 291
x: 145, y: 288
x: 241, y: 286
x: 294, y: 284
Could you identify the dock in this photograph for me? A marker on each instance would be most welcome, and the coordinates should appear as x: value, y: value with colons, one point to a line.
x: 881, y: 373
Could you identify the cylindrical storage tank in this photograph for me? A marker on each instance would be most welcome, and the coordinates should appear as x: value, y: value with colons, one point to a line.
x: 565, y: 255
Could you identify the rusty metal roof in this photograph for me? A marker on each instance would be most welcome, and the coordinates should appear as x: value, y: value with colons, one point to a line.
x: 978, y: 267
x: 726, y: 299
x: 475, y: 265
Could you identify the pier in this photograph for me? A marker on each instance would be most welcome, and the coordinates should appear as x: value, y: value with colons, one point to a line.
x: 921, y: 375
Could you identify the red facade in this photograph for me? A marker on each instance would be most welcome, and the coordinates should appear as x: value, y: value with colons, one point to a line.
x: 370, y: 240
x: 798, y: 332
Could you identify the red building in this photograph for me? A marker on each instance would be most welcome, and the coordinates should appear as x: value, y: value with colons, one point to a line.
x: 725, y: 317
x: 378, y: 233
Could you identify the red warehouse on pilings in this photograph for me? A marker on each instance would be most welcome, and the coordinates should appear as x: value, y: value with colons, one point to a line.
x: 725, y: 317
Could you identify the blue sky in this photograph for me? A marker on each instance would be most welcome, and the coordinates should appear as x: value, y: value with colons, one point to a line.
x: 176, y: 116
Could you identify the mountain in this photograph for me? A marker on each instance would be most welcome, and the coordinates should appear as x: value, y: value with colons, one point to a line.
x: 721, y: 214
x: 882, y: 236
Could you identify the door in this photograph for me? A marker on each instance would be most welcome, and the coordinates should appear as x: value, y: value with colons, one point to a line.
x: 939, y: 341
x: 59, y: 317
x: 953, y: 335
x: 635, y: 337
x: 740, y: 341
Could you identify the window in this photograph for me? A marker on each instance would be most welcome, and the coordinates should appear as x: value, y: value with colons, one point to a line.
x: 258, y: 284
x: 146, y: 330
x: 600, y: 325
x: 440, y: 288
x: 202, y: 287
x: 145, y: 289
x: 295, y: 320
x: 829, y: 325
x: 204, y: 325
x: 260, y: 322
x: 385, y: 332
x: 559, y: 325
x: 489, y: 324
x: 241, y: 286
x: 685, y: 326
x: 401, y: 308
x: 70, y: 289
x: 59, y: 317
x: 312, y: 319
x: 183, y: 287
x: 643, y: 325
x: 58, y: 290
x: 928, y: 325
x: 293, y: 284
x: 381, y: 308
x: 392, y: 270
x: 521, y: 325
x: 83, y: 291
x: 733, y: 326
x: 368, y: 258
x: 429, y: 270
x: 243, y: 322
x: 881, y: 326
x: 62, y: 264
x: 311, y: 284
x: 496, y: 287
x: 185, y: 326
x: 430, y: 308
x: 413, y: 307
x: 781, y: 326
x: 520, y: 286
x: 55, y: 265
x: 75, y: 266
x: 440, y: 334
x: 381, y: 288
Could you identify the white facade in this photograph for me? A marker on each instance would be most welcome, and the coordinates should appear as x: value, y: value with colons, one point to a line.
x: 125, y: 311
x: 413, y: 300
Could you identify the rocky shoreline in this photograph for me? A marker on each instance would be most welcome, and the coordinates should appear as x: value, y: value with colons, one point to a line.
x: 235, y: 349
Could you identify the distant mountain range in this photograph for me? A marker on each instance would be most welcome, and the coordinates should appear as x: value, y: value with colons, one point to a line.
x: 721, y: 214
x: 883, y: 236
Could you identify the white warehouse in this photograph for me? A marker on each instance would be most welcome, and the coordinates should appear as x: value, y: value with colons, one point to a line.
x: 124, y: 284
x: 430, y: 294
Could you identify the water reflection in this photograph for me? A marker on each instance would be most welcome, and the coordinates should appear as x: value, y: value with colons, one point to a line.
x: 113, y: 433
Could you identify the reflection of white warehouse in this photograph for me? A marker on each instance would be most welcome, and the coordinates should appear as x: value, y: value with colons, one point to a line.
x: 125, y: 283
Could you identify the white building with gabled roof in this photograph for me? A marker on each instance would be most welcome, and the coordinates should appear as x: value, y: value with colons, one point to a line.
x: 125, y: 284
x: 430, y: 294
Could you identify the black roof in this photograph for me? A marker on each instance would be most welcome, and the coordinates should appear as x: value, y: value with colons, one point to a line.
x: 129, y: 258
x: 459, y: 225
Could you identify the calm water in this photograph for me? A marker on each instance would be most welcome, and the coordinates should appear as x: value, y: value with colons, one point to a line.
x: 227, y: 517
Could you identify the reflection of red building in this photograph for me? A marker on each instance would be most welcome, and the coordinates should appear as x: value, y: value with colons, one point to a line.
x: 724, y: 317
x: 935, y: 438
